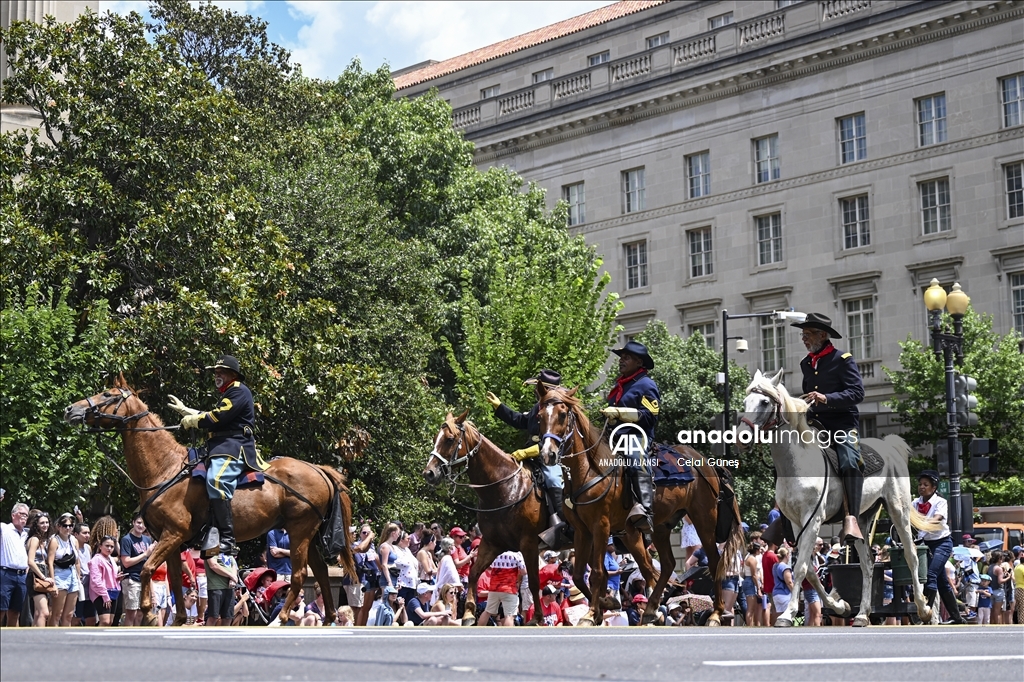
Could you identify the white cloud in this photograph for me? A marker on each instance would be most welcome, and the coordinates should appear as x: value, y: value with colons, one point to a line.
x: 440, y: 30
x: 319, y: 45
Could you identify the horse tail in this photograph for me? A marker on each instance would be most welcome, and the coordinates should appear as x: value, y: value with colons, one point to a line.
x: 900, y: 446
x: 922, y: 522
x: 346, y: 558
x: 735, y: 543
x: 727, y: 504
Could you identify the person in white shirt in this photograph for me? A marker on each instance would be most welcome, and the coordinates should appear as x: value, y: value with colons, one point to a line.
x: 13, y: 565
x: 940, y: 545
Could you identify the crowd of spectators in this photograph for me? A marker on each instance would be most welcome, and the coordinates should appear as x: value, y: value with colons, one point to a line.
x: 74, y: 573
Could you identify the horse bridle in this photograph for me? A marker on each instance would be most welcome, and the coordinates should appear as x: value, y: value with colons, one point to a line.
x: 569, y: 431
x: 448, y: 465
x: 95, y: 410
x: 777, y: 418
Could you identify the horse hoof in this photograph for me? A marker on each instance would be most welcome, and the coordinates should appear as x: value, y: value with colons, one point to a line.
x: 861, y: 621
x: 784, y: 623
x: 842, y: 609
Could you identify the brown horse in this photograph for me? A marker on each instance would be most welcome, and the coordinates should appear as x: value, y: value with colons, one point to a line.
x: 176, y: 514
x: 511, y: 512
x: 595, y: 508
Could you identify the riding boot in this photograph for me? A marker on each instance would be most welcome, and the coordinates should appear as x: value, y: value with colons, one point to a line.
x: 929, y: 595
x: 225, y: 525
x: 643, y: 491
x: 211, y: 541
x: 554, y: 535
x: 949, y: 601
x: 853, y: 485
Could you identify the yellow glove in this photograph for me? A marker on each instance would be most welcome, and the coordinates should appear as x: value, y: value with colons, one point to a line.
x: 493, y: 400
x: 623, y: 414
x: 526, y: 453
x: 190, y: 421
x: 179, y: 406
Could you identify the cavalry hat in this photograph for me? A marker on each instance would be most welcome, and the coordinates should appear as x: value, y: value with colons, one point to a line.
x: 930, y: 474
x: 638, y: 349
x: 548, y: 377
x: 818, y: 321
x: 228, y: 362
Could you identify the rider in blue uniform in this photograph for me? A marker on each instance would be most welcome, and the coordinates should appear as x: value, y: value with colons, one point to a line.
x: 833, y: 388
x: 634, y: 399
x: 557, y: 531
x: 231, y: 446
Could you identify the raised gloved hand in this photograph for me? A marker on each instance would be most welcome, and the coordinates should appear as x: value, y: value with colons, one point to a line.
x: 493, y: 400
x: 526, y: 453
x: 623, y: 414
x: 179, y: 406
x: 190, y: 421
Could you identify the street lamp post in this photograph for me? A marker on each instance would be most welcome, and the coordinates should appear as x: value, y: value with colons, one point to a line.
x: 775, y: 315
x: 949, y: 347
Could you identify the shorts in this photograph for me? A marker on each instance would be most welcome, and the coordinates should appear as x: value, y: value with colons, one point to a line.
x: 998, y: 596
x: 355, y: 595
x: 781, y: 602
x: 201, y: 585
x: 101, y: 610
x: 508, y: 602
x: 749, y: 588
x: 222, y: 605
x: 66, y: 579
x: 12, y: 589
x: 811, y: 596
x: 159, y: 594
x: 731, y: 583
x: 132, y: 591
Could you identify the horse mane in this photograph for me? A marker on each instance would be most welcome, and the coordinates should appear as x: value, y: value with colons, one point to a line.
x: 575, y: 404
x: 794, y: 408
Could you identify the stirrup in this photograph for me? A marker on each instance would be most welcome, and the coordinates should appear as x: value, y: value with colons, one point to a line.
x: 211, y: 543
x: 640, y: 519
x: 553, y: 536
x: 851, y: 530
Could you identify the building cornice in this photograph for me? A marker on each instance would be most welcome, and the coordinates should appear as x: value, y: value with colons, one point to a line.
x: 718, y: 86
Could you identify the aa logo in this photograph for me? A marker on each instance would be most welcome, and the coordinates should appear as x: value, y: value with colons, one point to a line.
x: 628, y: 440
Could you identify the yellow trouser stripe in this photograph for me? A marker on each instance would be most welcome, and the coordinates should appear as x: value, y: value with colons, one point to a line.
x: 216, y: 479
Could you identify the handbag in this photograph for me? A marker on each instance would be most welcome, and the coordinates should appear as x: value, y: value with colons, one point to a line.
x: 40, y: 585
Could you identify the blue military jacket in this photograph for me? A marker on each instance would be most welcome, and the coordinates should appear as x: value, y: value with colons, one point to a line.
x: 231, y: 426
x: 642, y: 393
x: 838, y: 378
x: 524, y: 421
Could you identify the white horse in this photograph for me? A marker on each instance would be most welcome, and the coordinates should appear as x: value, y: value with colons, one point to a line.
x: 809, y: 491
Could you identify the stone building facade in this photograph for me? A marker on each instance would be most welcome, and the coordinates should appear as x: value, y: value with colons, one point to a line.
x: 828, y: 155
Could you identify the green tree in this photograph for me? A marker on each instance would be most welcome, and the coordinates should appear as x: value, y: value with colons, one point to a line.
x: 920, y: 405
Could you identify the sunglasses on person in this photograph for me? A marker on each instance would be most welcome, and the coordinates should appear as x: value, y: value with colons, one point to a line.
x: 67, y: 525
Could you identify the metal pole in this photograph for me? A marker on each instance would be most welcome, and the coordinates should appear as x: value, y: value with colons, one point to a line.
x: 725, y: 374
x: 955, y: 527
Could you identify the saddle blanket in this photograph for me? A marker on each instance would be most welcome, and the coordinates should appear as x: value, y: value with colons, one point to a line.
x: 872, y: 460
x: 670, y: 470
x: 248, y: 479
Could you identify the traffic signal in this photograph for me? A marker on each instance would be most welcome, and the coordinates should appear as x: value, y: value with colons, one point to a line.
x: 966, y: 403
x: 982, y: 459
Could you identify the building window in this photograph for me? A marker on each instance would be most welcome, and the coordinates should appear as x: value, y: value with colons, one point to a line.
x: 766, y: 158
x: 705, y: 330
x: 657, y: 41
x: 856, y: 227
x: 1014, y: 190
x: 931, y: 120
x: 720, y: 21
x: 773, y: 346
x: 633, y: 190
x: 545, y: 75
x: 935, y: 214
x: 576, y: 198
x: 1013, y: 100
x: 492, y: 91
x: 868, y: 426
x: 698, y: 172
x: 636, y: 265
x: 860, y: 327
x: 1017, y: 294
x: 853, y: 141
x: 597, y: 59
x: 769, y: 239
x: 700, y: 252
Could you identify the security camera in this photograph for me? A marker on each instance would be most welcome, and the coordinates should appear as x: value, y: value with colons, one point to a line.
x: 741, y: 345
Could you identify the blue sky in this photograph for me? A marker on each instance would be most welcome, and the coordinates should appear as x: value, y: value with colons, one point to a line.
x: 325, y: 36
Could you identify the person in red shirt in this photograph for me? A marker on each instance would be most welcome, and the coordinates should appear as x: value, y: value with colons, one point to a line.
x: 768, y: 561
x: 507, y: 571
x: 463, y: 561
x: 550, y: 607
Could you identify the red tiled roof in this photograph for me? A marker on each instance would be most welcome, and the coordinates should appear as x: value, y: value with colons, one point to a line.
x: 524, y: 41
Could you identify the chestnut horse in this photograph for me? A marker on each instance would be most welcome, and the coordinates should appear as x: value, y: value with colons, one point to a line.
x: 593, y: 500
x: 511, y: 512
x: 176, y: 507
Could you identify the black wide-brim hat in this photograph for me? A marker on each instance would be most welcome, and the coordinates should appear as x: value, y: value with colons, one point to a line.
x: 228, y: 362
x: 548, y: 377
x: 638, y: 349
x: 818, y: 321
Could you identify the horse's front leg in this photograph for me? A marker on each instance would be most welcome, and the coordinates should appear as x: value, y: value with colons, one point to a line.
x: 867, y: 568
x: 300, y: 557
x: 598, y: 574
x: 162, y: 550
x: 529, y: 548
x: 663, y: 541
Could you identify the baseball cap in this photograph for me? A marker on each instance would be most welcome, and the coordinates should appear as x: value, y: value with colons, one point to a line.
x: 423, y: 588
x: 836, y: 550
x: 639, y: 599
x: 549, y: 590
x: 985, y: 576
x: 1017, y: 548
x: 550, y: 554
x: 968, y: 538
x: 457, y: 532
x: 390, y: 590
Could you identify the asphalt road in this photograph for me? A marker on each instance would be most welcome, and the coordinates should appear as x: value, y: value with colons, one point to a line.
x: 876, y: 654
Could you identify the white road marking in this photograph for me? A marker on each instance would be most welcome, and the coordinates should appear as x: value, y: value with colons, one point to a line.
x: 869, y: 661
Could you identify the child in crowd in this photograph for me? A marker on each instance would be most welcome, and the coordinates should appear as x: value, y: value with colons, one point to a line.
x: 985, y: 600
